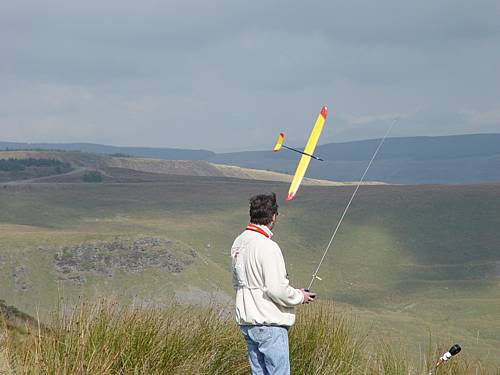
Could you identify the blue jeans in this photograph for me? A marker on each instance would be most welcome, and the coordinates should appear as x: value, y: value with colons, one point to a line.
x: 267, y: 349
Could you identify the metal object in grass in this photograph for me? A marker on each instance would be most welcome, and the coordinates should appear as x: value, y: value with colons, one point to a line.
x: 454, y: 350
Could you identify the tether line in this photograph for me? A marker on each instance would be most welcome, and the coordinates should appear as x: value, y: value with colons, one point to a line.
x: 315, y: 274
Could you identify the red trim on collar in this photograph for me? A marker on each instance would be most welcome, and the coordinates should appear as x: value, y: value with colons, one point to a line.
x: 257, y: 229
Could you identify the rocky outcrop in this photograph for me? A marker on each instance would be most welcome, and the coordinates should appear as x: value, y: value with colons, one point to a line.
x: 104, y: 257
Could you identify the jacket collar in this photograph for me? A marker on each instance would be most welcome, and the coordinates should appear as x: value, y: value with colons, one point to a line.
x: 262, y: 229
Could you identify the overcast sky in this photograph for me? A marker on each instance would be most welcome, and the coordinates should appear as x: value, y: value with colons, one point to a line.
x: 230, y: 75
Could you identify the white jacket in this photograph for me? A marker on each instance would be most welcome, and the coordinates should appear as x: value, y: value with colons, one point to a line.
x: 263, y: 293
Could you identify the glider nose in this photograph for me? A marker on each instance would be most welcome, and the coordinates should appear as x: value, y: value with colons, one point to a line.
x: 324, y: 111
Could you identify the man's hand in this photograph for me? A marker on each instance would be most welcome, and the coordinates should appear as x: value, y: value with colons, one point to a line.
x: 308, y: 296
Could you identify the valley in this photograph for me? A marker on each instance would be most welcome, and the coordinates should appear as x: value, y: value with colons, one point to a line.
x: 410, y: 261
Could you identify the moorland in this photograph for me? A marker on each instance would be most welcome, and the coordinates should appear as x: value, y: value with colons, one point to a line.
x: 410, y: 262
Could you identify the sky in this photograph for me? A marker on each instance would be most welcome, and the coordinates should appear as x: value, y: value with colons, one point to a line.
x: 230, y: 75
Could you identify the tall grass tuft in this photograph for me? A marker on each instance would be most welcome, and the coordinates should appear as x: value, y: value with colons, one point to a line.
x: 325, y: 342
x: 106, y: 338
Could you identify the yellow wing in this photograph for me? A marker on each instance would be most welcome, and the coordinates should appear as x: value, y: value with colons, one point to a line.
x: 305, y: 159
x: 279, y: 143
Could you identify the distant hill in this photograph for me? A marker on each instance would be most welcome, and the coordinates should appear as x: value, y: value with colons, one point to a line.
x: 146, y: 152
x: 413, y: 160
x: 455, y: 159
x: 129, y: 169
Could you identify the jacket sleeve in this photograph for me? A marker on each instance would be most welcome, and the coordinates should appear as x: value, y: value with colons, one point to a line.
x: 236, y: 267
x: 276, y: 284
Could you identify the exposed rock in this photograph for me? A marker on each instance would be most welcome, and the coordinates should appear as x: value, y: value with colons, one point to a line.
x: 103, y: 257
x: 21, y: 279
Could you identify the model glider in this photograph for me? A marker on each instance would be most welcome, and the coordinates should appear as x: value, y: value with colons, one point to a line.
x: 307, y: 154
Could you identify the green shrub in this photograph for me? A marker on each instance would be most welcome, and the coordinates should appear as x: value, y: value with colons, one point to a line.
x: 12, y: 164
x: 92, y: 176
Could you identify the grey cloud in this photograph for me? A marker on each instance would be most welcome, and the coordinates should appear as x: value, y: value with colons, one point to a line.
x: 186, y: 73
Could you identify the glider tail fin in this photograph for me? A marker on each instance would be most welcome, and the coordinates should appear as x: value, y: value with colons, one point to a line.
x: 279, y: 143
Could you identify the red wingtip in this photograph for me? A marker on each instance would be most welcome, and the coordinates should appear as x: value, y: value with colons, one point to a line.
x: 324, y: 111
x: 279, y: 143
x: 290, y: 197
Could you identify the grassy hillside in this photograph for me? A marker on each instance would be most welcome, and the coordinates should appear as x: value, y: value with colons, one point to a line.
x: 456, y: 159
x: 203, y: 168
x: 408, y: 260
x: 128, y: 169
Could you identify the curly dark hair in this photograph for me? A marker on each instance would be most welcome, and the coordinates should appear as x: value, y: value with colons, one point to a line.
x: 262, y: 208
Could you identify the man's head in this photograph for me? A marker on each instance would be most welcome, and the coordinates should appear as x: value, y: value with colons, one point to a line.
x: 263, y: 209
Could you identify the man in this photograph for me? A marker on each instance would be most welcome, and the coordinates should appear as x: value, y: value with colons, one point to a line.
x: 264, y: 299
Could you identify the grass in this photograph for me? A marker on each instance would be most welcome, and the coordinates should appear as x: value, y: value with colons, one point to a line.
x: 408, y: 260
x: 107, y: 338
